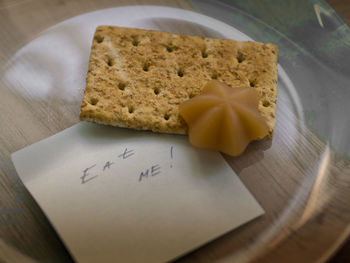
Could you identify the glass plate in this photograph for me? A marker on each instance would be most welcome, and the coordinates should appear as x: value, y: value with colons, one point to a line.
x: 300, y: 178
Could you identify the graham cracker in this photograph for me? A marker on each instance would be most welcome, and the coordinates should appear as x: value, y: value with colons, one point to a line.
x: 138, y: 78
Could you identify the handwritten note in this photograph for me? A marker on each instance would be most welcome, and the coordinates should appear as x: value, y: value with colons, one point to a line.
x: 116, y: 195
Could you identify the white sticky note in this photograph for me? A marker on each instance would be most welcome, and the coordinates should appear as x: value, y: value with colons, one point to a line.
x: 117, y: 195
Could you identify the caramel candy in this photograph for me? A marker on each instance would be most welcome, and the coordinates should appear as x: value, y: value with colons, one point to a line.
x: 224, y: 118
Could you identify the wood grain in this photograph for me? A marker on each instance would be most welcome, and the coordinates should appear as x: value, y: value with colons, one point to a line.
x: 342, y: 7
x: 312, y: 227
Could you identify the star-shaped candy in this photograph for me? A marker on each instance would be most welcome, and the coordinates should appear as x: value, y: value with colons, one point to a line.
x: 224, y: 118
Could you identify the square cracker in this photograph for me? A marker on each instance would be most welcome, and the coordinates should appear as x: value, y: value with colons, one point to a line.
x: 138, y: 78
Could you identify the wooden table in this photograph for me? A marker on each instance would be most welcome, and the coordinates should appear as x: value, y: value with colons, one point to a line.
x: 342, y: 7
x: 25, y: 233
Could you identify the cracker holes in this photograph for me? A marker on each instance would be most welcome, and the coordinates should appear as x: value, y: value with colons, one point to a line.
x: 240, y: 57
x: 169, y: 49
x: 166, y: 117
x: 180, y: 73
x: 214, y: 75
x: 156, y: 91
x: 110, y: 61
x: 252, y: 83
x: 266, y: 103
x: 99, y: 39
x: 135, y: 42
x: 131, y: 109
x: 93, y: 101
x: 204, y: 54
x: 121, y: 85
x: 146, y: 66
